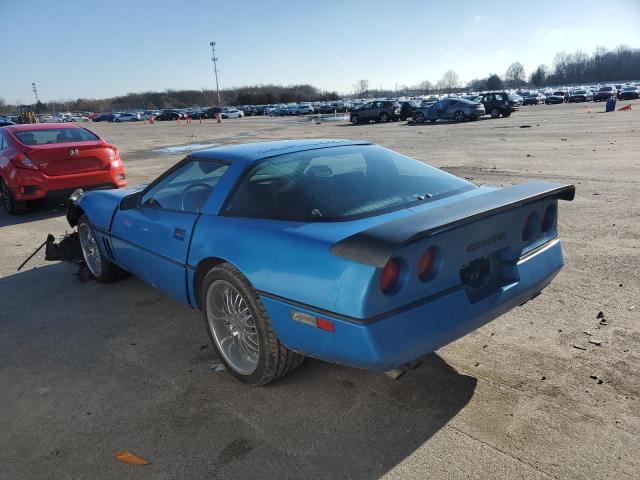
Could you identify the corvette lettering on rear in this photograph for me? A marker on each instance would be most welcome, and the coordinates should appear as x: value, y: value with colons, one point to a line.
x: 487, y: 242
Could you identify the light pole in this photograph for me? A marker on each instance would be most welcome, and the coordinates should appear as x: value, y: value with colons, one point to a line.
x: 35, y: 91
x: 215, y: 68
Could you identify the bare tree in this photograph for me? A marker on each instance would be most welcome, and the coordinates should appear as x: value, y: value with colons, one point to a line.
x: 449, y: 80
x: 425, y: 87
x: 361, y: 87
x: 514, y: 75
x: 539, y: 76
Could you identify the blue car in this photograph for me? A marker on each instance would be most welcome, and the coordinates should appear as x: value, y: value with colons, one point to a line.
x: 339, y: 250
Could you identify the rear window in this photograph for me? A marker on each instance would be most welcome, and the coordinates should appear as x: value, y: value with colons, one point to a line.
x: 339, y: 183
x: 55, y: 135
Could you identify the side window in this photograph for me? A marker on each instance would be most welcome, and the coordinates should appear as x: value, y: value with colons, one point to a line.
x: 377, y: 104
x: 368, y: 105
x: 499, y: 97
x: 187, y: 188
x: 488, y: 98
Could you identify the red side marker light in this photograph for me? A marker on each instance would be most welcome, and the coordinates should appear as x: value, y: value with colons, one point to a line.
x: 324, y: 324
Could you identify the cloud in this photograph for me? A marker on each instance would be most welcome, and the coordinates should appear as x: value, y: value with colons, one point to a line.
x: 479, y: 17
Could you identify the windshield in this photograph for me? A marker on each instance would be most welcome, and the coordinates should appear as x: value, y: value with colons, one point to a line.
x: 55, y: 135
x: 605, y: 89
x: 339, y: 183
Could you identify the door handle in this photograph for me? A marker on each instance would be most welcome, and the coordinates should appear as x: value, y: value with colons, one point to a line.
x: 179, y: 233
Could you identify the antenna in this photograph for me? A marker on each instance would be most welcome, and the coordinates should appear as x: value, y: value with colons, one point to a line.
x: 215, y: 68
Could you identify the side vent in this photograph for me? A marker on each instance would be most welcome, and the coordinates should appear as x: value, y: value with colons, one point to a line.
x: 107, y: 248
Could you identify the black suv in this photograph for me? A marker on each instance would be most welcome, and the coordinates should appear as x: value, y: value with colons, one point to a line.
x: 378, y: 111
x: 497, y: 103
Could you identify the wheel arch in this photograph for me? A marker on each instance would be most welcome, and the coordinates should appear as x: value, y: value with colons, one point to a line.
x: 202, y: 269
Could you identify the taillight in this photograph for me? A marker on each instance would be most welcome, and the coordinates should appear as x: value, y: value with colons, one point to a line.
x: 426, y: 263
x: 548, y: 218
x: 20, y: 160
x: 530, y: 225
x: 389, y: 276
x: 111, y: 153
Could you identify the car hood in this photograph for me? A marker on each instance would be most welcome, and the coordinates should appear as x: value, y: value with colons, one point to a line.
x: 99, y: 205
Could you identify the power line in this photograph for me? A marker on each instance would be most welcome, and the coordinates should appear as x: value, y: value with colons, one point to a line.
x: 215, y: 68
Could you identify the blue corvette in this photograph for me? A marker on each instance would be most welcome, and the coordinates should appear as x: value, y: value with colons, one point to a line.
x: 339, y: 250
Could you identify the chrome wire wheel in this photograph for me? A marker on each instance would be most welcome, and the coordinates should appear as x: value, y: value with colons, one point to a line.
x: 233, y: 327
x: 90, y: 249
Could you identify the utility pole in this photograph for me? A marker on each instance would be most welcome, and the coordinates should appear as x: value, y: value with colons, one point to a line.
x: 215, y: 68
x: 35, y: 91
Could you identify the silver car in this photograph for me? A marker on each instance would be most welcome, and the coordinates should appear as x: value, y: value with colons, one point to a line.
x: 457, y: 109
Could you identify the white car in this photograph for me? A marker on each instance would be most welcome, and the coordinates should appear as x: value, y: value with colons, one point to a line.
x: 147, y: 114
x: 127, y: 117
x: 232, y: 113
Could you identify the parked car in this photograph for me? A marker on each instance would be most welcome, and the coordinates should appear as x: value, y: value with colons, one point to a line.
x: 127, y: 117
x: 42, y: 160
x: 340, y: 250
x: 149, y: 114
x: 104, y: 117
x: 457, y: 109
x: 580, y: 96
x: 379, y: 111
x: 408, y: 108
x: 165, y: 115
x: 232, y: 113
x: 5, y: 121
x: 559, y: 96
x: 496, y: 104
x: 630, y: 93
x: 304, y: 110
x: 533, y: 98
x: 605, y: 93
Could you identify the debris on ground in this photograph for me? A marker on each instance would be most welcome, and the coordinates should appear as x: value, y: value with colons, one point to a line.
x: 593, y: 341
x: 131, y: 458
x: 587, y: 333
x: 217, y: 367
x: 579, y: 347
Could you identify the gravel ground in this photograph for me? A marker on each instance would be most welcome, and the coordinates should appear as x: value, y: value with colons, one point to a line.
x: 88, y: 370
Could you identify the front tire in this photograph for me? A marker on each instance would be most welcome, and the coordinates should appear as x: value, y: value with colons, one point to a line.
x: 100, y: 267
x: 495, y: 113
x: 355, y: 119
x: 383, y: 118
x: 12, y: 206
x: 240, y: 329
x: 418, y: 117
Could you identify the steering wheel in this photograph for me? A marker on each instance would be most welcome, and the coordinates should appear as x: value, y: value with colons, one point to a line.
x: 188, y: 189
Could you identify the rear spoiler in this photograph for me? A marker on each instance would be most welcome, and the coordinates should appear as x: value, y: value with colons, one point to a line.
x: 376, y: 245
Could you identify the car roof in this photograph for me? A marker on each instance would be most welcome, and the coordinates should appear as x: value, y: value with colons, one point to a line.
x: 40, y: 126
x: 251, y: 152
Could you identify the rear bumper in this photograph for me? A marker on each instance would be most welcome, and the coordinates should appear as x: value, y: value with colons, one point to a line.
x: 33, y: 184
x: 393, y: 340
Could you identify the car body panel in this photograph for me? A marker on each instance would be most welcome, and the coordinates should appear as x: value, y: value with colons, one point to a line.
x: 293, y: 267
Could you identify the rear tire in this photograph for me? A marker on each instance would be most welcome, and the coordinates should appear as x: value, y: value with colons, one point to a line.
x: 101, y: 268
x: 495, y: 113
x: 355, y: 119
x: 506, y: 114
x: 269, y: 359
x: 418, y: 117
x: 458, y: 116
x: 12, y: 206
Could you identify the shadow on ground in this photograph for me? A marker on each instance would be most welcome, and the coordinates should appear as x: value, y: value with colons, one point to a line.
x: 36, y: 210
x: 90, y: 369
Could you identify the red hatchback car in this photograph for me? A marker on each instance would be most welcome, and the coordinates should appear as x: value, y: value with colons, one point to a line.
x: 46, y: 160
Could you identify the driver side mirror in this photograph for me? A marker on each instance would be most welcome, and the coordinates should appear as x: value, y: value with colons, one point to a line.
x: 131, y: 201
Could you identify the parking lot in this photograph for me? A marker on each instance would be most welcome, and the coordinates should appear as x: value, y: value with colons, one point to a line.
x: 550, y: 390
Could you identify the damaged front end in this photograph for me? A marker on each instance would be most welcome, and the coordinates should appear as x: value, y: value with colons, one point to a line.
x: 66, y: 250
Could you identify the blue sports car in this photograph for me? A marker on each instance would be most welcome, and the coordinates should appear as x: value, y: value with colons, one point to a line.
x: 338, y: 250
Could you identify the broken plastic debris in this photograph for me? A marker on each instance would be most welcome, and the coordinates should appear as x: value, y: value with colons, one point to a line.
x: 131, y: 458
x: 217, y: 367
x: 579, y: 347
x: 595, y: 342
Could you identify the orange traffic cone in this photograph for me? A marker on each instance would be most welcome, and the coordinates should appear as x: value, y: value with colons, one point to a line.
x: 152, y: 120
x: 626, y: 107
x: 589, y: 110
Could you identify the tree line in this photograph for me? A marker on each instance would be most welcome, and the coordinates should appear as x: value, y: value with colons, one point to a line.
x: 248, y: 95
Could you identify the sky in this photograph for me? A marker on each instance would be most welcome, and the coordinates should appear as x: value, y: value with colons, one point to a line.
x: 96, y: 49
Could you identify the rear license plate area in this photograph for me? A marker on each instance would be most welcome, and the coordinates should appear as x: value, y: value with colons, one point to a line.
x: 487, y: 275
